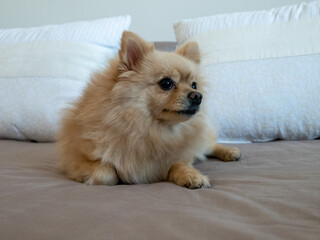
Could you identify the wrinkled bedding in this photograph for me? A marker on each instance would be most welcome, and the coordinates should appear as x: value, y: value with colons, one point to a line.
x: 273, y: 192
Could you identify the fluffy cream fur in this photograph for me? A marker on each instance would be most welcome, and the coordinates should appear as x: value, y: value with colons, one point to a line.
x: 127, y: 128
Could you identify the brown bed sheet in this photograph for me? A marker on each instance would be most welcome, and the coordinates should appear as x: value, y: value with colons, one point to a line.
x: 272, y: 193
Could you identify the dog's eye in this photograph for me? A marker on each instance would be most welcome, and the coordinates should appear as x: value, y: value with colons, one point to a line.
x: 194, y: 85
x: 166, y: 84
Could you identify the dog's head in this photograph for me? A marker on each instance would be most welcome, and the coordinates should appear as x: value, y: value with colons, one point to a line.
x: 166, y: 85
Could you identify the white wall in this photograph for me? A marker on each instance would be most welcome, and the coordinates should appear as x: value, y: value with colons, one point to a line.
x: 151, y: 19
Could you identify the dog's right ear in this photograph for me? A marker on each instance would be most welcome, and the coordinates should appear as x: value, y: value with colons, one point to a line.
x: 133, y: 49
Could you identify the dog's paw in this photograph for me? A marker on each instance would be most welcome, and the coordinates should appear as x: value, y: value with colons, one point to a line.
x: 103, y: 175
x: 231, y: 154
x: 193, y: 180
x: 185, y: 175
x: 196, y: 181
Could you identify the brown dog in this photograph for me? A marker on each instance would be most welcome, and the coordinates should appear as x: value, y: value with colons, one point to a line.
x: 141, y: 120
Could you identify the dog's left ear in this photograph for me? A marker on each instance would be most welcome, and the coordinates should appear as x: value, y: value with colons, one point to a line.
x: 133, y: 49
x: 191, y: 51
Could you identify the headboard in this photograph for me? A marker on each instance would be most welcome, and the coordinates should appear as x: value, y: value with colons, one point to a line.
x: 165, y: 46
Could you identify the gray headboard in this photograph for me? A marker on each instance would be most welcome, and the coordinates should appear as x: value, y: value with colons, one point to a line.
x: 165, y: 46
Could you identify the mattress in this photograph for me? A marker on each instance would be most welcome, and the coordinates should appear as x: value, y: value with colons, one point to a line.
x: 273, y: 192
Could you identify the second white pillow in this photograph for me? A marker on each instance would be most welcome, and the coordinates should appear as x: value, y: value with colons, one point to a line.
x: 262, y: 70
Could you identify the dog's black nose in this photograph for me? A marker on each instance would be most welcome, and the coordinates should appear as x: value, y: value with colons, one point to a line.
x: 195, y: 97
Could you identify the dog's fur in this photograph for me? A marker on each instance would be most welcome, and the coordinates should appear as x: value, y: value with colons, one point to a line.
x: 126, y: 128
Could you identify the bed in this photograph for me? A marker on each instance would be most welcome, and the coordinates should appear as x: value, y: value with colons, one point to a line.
x: 272, y: 193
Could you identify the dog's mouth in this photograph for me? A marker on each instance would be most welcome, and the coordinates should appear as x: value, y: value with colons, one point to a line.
x: 185, y: 112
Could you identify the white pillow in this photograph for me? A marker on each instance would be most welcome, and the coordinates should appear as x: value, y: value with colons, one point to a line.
x: 43, y: 69
x: 263, y: 72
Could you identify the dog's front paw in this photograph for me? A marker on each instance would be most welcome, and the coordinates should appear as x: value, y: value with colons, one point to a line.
x: 194, y: 181
x: 186, y: 176
x: 229, y: 154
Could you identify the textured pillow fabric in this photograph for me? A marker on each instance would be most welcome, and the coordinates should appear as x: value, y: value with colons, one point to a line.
x: 103, y: 32
x: 185, y: 29
x: 44, y: 69
x: 262, y: 71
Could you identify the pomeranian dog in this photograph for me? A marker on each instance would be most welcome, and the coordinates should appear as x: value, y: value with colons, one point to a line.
x: 141, y: 120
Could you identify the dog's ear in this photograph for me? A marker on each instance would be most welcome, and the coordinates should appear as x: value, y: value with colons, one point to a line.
x: 191, y: 51
x: 133, y: 49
